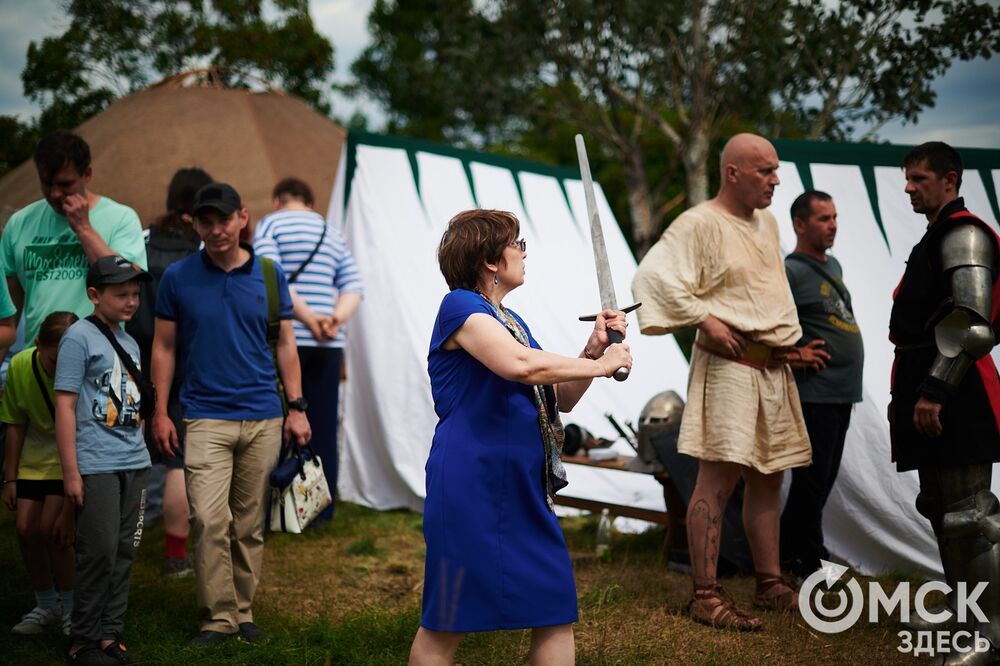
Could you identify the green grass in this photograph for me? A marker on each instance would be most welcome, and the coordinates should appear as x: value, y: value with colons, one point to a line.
x: 349, y: 593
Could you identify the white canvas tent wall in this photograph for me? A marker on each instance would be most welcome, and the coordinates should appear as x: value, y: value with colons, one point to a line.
x: 398, y: 196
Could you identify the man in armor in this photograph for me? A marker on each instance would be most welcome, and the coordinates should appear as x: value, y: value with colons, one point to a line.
x: 945, y: 412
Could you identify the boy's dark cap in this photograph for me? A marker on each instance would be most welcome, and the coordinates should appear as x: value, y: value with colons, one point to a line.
x: 113, y: 269
x: 217, y: 196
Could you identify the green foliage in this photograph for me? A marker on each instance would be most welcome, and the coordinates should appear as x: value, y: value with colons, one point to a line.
x: 659, y: 83
x: 114, y: 47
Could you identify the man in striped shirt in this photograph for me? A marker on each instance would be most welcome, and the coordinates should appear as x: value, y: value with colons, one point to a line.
x: 326, y: 289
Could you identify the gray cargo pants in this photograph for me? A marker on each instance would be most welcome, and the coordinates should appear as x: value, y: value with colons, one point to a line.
x: 108, y: 530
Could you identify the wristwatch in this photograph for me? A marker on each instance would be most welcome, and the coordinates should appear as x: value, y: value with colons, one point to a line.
x: 299, y: 404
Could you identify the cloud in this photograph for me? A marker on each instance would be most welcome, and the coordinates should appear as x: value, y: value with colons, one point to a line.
x: 20, y: 24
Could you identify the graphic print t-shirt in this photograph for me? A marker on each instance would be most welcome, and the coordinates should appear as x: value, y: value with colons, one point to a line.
x: 39, y: 248
x: 108, y: 429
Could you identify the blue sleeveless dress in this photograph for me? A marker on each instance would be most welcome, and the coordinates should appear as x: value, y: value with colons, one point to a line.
x: 496, y: 555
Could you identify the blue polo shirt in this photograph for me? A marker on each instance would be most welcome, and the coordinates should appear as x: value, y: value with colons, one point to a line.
x: 222, y: 346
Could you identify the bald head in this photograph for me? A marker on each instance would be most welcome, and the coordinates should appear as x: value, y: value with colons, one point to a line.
x: 748, y: 166
x: 745, y: 147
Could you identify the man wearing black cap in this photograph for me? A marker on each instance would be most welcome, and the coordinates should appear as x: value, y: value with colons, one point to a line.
x: 212, y: 313
x: 104, y: 457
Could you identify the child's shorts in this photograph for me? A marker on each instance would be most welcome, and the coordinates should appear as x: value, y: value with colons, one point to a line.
x: 29, y: 489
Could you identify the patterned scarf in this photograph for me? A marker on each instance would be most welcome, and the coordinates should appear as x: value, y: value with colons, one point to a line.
x: 550, y: 426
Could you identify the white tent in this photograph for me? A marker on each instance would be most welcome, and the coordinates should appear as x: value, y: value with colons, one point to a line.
x: 393, y: 199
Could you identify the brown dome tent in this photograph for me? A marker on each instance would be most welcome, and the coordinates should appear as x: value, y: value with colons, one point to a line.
x: 248, y: 139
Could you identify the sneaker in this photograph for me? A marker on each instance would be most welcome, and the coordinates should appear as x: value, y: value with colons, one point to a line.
x: 178, y: 567
x: 118, y: 652
x: 209, y: 638
x: 90, y: 655
x: 251, y: 633
x: 35, y: 621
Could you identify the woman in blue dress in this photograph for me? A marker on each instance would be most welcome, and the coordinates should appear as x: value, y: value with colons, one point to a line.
x: 496, y: 556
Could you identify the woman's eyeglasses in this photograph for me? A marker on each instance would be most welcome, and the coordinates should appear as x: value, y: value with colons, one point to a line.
x: 520, y: 244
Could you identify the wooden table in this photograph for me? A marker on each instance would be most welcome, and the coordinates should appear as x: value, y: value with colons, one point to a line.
x: 672, y: 517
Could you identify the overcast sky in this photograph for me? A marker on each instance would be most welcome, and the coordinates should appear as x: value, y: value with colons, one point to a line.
x: 967, y: 112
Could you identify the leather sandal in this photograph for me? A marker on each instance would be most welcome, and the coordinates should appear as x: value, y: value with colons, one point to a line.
x: 773, y: 593
x: 713, y: 606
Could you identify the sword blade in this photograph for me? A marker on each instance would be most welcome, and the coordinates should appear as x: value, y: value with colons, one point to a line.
x: 605, y: 281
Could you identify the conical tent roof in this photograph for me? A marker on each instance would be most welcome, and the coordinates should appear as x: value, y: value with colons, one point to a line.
x: 248, y: 139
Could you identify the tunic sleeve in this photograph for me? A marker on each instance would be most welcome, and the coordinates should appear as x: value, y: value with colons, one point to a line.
x: 672, y: 275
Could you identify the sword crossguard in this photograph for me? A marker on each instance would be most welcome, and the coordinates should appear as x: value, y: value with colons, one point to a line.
x: 593, y: 317
x: 614, y: 337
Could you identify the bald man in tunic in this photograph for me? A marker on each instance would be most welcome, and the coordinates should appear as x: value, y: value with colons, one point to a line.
x: 719, y: 267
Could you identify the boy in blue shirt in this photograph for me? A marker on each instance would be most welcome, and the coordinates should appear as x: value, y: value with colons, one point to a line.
x: 104, y: 458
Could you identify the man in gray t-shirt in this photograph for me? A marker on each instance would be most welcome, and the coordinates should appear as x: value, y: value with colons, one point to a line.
x: 828, y: 394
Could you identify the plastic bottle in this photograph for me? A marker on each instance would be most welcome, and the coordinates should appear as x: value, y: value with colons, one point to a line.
x: 604, y: 535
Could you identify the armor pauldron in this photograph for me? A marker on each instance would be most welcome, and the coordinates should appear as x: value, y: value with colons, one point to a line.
x: 968, y: 245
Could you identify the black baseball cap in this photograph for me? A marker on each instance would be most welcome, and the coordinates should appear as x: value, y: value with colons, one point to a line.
x: 217, y: 196
x: 113, y: 269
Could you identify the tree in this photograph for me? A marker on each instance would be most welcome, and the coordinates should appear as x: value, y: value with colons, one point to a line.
x: 114, y: 47
x: 679, y: 75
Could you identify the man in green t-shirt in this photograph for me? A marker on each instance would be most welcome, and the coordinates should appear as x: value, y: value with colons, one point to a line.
x: 828, y: 394
x: 48, y: 245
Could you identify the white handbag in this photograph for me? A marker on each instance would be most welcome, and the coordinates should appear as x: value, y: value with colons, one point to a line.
x: 296, y: 502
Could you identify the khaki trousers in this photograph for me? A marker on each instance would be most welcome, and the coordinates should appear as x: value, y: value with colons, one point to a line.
x: 226, y: 466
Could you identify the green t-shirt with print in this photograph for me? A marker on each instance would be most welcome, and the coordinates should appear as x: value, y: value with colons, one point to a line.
x: 7, y: 308
x: 23, y: 403
x: 39, y: 248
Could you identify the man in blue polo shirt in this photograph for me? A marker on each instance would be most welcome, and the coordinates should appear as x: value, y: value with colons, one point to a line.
x: 211, y: 316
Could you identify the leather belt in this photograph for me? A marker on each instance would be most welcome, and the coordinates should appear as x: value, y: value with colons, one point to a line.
x: 755, y: 354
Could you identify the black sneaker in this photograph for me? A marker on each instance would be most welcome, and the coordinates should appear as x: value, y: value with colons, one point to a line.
x: 251, y: 633
x: 90, y: 655
x: 208, y: 637
x: 118, y: 652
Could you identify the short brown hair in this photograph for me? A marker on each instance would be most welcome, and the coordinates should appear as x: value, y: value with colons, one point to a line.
x: 474, y: 237
x: 293, y: 188
x: 53, y: 327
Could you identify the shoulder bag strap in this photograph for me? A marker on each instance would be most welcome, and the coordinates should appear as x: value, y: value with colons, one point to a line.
x: 298, y: 271
x: 270, y: 273
x: 844, y: 296
x: 122, y: 354
x: 41, y: 384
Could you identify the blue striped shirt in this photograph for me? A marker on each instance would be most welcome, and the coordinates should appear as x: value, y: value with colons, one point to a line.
x: 288, y: 237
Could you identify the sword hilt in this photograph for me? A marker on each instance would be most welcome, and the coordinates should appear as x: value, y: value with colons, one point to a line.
x: 614, y: 337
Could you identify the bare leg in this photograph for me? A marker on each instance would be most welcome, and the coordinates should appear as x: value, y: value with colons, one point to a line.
x: 61, y: 559
x: 761, y: 519
x: 175, y: 503
x: 715, y: 484
x: 34, y: 544
x: 552, y: 646
x: 434, y: 648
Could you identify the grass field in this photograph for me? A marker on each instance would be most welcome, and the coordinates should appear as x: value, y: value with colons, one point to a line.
x: 350, y: 594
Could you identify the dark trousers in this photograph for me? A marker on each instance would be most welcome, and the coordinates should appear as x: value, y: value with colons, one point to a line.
x: 802, y: 521
x: 108, y: 530
x: 321, y: 389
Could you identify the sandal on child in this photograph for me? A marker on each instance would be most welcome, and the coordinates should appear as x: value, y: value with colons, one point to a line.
x: 712, y: 606
x: 773, y: 593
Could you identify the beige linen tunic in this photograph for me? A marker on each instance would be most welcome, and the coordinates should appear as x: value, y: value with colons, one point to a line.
x: 711, y: 262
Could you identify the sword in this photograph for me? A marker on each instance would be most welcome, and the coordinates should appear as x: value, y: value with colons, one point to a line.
x: 605, y: 282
